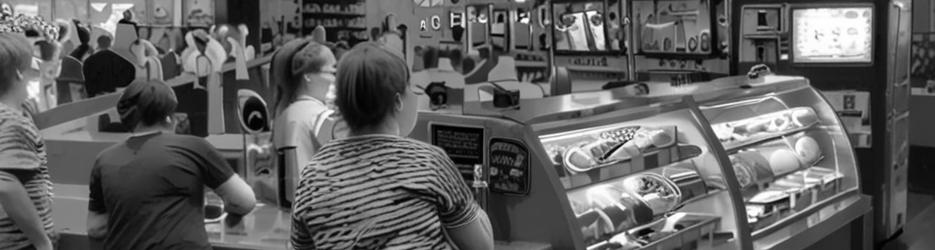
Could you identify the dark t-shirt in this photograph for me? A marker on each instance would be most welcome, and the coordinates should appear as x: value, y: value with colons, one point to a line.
x: 152, y: 189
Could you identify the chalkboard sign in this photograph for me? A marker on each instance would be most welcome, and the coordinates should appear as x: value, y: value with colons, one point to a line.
x: 509, y: 167
x: 464, y: 145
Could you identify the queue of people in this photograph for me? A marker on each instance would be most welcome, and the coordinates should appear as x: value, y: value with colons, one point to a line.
x: 372, y: 188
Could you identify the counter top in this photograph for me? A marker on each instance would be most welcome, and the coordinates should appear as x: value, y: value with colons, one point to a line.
x: 267, y: 227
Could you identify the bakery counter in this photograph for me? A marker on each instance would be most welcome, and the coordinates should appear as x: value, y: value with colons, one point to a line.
x: 816, y: 225
x: 267, y: 227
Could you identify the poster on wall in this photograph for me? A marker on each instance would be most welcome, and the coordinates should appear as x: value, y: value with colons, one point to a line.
x: 162, y: 12
x: 575, y: 32
x: 199, y: 13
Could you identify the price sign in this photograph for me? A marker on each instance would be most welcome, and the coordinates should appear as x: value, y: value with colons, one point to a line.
x: 509, y: 167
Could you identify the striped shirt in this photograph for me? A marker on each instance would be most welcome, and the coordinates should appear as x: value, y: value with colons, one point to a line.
x: 380, y: 192
x: 23, y: 158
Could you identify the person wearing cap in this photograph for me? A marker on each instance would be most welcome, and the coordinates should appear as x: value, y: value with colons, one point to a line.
x: 25, y: 185
x: 303, y: 71
x: 377, y: 189
x: 148, y: 191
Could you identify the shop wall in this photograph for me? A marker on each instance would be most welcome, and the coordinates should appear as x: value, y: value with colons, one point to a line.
x: 41, y: 8
x: 923, y: 43
x: 922, y: 11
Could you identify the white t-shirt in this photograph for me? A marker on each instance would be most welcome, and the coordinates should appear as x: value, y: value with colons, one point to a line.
x: 296, y: 126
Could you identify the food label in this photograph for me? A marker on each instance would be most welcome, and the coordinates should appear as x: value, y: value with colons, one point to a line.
x: 509, y: 167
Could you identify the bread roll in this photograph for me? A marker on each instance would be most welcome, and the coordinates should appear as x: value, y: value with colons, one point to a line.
x: 783, y: 161
x: 807, y: 148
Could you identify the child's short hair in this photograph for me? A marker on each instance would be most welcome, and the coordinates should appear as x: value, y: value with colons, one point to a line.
x: 15, y: 54
x: 369, y: 79
x: 146, y: 101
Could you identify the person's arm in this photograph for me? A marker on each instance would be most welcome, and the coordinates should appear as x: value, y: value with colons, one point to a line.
x: 238, y: 197
x: 97, y: 211
x: 301, y: 238
x: 477, y: 234
x: 466, y: 223
x: 19, y: 207
x: 97, y: 225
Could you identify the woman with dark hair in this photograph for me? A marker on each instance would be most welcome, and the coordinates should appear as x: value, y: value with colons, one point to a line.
x: 303, y: 72
x: 25, y: 186
x: 148, y: 192
x: 377, y: 189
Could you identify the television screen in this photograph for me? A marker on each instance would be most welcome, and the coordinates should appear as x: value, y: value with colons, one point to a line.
x: 832, y: 35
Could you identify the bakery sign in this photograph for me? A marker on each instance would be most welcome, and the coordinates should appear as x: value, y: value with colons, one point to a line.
x: 509, y: 167
x: 604, y: 63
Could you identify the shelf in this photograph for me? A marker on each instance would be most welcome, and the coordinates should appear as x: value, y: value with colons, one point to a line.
x: 814, y: 224
x: 343, y: 28
x: 531, y: 64
x: 326, y: 14
x: 624, y: 168
x: 733, y: 147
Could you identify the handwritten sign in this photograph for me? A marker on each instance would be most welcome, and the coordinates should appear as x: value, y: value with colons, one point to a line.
x: 509, y: 167
x: 464, y: 145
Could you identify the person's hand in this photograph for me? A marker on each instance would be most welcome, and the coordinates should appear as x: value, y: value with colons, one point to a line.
x: 45, y: 245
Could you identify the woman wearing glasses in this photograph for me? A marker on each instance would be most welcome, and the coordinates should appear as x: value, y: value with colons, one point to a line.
x: 303, y: 71
x: 377, y: 189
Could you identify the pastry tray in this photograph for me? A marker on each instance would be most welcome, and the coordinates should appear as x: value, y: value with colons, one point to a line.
x: 659, y: 157
x: 693, y: 229
x: 733, y: 146
x: 648, y: 152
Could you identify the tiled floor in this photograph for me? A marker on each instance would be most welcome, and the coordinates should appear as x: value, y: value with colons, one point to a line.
x: 920, y: 229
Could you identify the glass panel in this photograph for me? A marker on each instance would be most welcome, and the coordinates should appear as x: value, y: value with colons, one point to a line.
x: 634, y: 183
x: 788, y: 151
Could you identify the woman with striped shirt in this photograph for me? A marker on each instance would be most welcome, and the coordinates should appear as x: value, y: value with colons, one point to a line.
x: 25, y: 186
x: 377, y: 189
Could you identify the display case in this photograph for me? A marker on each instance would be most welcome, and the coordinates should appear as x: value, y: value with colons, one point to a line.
x: 789, y: 151
x: 595, y: 171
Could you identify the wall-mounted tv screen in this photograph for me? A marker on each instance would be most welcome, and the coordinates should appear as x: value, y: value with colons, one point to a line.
x: 832, y: 35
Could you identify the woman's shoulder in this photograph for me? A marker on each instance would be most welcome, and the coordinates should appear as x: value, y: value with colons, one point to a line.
x: 363, y: 144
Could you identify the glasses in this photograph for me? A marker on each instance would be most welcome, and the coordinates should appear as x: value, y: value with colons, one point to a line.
x: 416, y: 89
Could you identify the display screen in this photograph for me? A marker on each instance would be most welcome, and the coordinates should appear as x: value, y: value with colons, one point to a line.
x: 464, y: 145
x: 833, y: 35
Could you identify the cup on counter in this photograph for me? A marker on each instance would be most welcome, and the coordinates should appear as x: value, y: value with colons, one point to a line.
x: 214, y: 208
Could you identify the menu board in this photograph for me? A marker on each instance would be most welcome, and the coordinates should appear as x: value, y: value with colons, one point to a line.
x: 509, y: 167
x: 832, y: 35
x: 464, y: 145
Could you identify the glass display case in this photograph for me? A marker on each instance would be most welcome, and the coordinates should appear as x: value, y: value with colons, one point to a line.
x: 792, y: 158
x: 607, y: 172
x: 642, y: 181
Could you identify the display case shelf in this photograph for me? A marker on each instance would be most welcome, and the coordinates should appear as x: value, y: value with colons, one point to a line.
x: 787, y: 147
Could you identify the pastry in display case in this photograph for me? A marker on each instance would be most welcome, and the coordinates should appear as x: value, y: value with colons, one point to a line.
x: 788, y: 151
x: 629, y: 181
x: 624, y: 173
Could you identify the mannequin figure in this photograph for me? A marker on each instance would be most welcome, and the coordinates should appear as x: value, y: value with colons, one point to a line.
x: 147, y: 61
